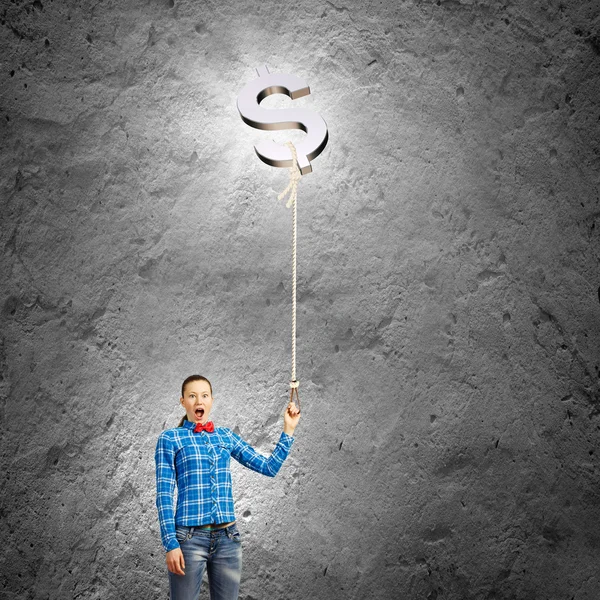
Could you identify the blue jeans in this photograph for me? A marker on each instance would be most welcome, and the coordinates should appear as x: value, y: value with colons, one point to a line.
x: 220, y: 552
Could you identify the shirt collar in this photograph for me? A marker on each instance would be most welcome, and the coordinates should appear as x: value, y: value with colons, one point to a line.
x: 189, y: 425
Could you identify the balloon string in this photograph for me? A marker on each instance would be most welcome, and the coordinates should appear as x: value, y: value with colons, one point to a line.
x: 292, y: 189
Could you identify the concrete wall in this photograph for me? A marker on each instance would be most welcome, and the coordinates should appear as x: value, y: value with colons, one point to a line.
x: 448, y: 326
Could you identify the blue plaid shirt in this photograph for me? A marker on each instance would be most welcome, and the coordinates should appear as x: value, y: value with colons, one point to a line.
x: 199, y: 464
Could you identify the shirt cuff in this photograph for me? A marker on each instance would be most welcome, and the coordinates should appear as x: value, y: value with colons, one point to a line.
x: 171, y: 544
x: 286, y: 437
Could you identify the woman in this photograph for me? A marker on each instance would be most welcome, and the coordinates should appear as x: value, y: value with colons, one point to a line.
x: 194, y: 457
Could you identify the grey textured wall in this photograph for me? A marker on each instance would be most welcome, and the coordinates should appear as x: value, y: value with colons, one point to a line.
x: 448, y: 293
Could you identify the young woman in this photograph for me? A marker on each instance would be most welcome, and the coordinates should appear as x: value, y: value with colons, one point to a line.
x: 194, y: 458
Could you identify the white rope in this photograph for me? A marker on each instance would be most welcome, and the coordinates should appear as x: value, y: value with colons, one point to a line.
x: 292, y: 188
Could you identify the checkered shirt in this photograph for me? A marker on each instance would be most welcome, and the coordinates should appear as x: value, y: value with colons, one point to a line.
x: 199, y: 464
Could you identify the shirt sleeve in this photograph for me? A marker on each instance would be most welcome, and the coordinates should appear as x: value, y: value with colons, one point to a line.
x: 165, y: 487
x: 246, y: 455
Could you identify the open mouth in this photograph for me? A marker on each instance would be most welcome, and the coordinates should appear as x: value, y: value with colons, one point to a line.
x: 199, y: 413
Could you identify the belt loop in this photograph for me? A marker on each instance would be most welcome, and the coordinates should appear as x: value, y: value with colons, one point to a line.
x: 190, y: 533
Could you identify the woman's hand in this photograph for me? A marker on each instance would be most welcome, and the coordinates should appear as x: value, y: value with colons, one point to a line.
x: 291, y: 416
x: 175, y: 562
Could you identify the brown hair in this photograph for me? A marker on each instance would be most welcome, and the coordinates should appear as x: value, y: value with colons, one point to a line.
x: 183, y: 385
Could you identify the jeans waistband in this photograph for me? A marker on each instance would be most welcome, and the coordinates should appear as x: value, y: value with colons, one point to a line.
x: 191, y: 530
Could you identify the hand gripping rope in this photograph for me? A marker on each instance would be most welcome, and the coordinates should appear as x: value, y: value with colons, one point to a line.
x: 292, y: 188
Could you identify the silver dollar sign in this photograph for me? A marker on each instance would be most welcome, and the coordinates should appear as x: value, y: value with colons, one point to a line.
x: 311, y: 123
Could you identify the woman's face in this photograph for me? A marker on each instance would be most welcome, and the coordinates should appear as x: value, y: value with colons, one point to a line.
x: 197, y: 401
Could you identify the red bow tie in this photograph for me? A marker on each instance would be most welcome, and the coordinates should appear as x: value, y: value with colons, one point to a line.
x: 208, y: 426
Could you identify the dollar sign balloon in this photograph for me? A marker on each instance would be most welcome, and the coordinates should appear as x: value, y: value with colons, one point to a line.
x: 268, y: 151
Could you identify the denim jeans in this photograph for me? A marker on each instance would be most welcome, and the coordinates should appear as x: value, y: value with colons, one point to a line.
x: 220, y: 552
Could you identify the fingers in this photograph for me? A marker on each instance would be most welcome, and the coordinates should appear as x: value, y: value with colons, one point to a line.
x: 293, y: 409
x: 176, y: 562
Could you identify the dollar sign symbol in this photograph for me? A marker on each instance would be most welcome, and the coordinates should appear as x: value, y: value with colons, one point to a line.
x: 311, y: 123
